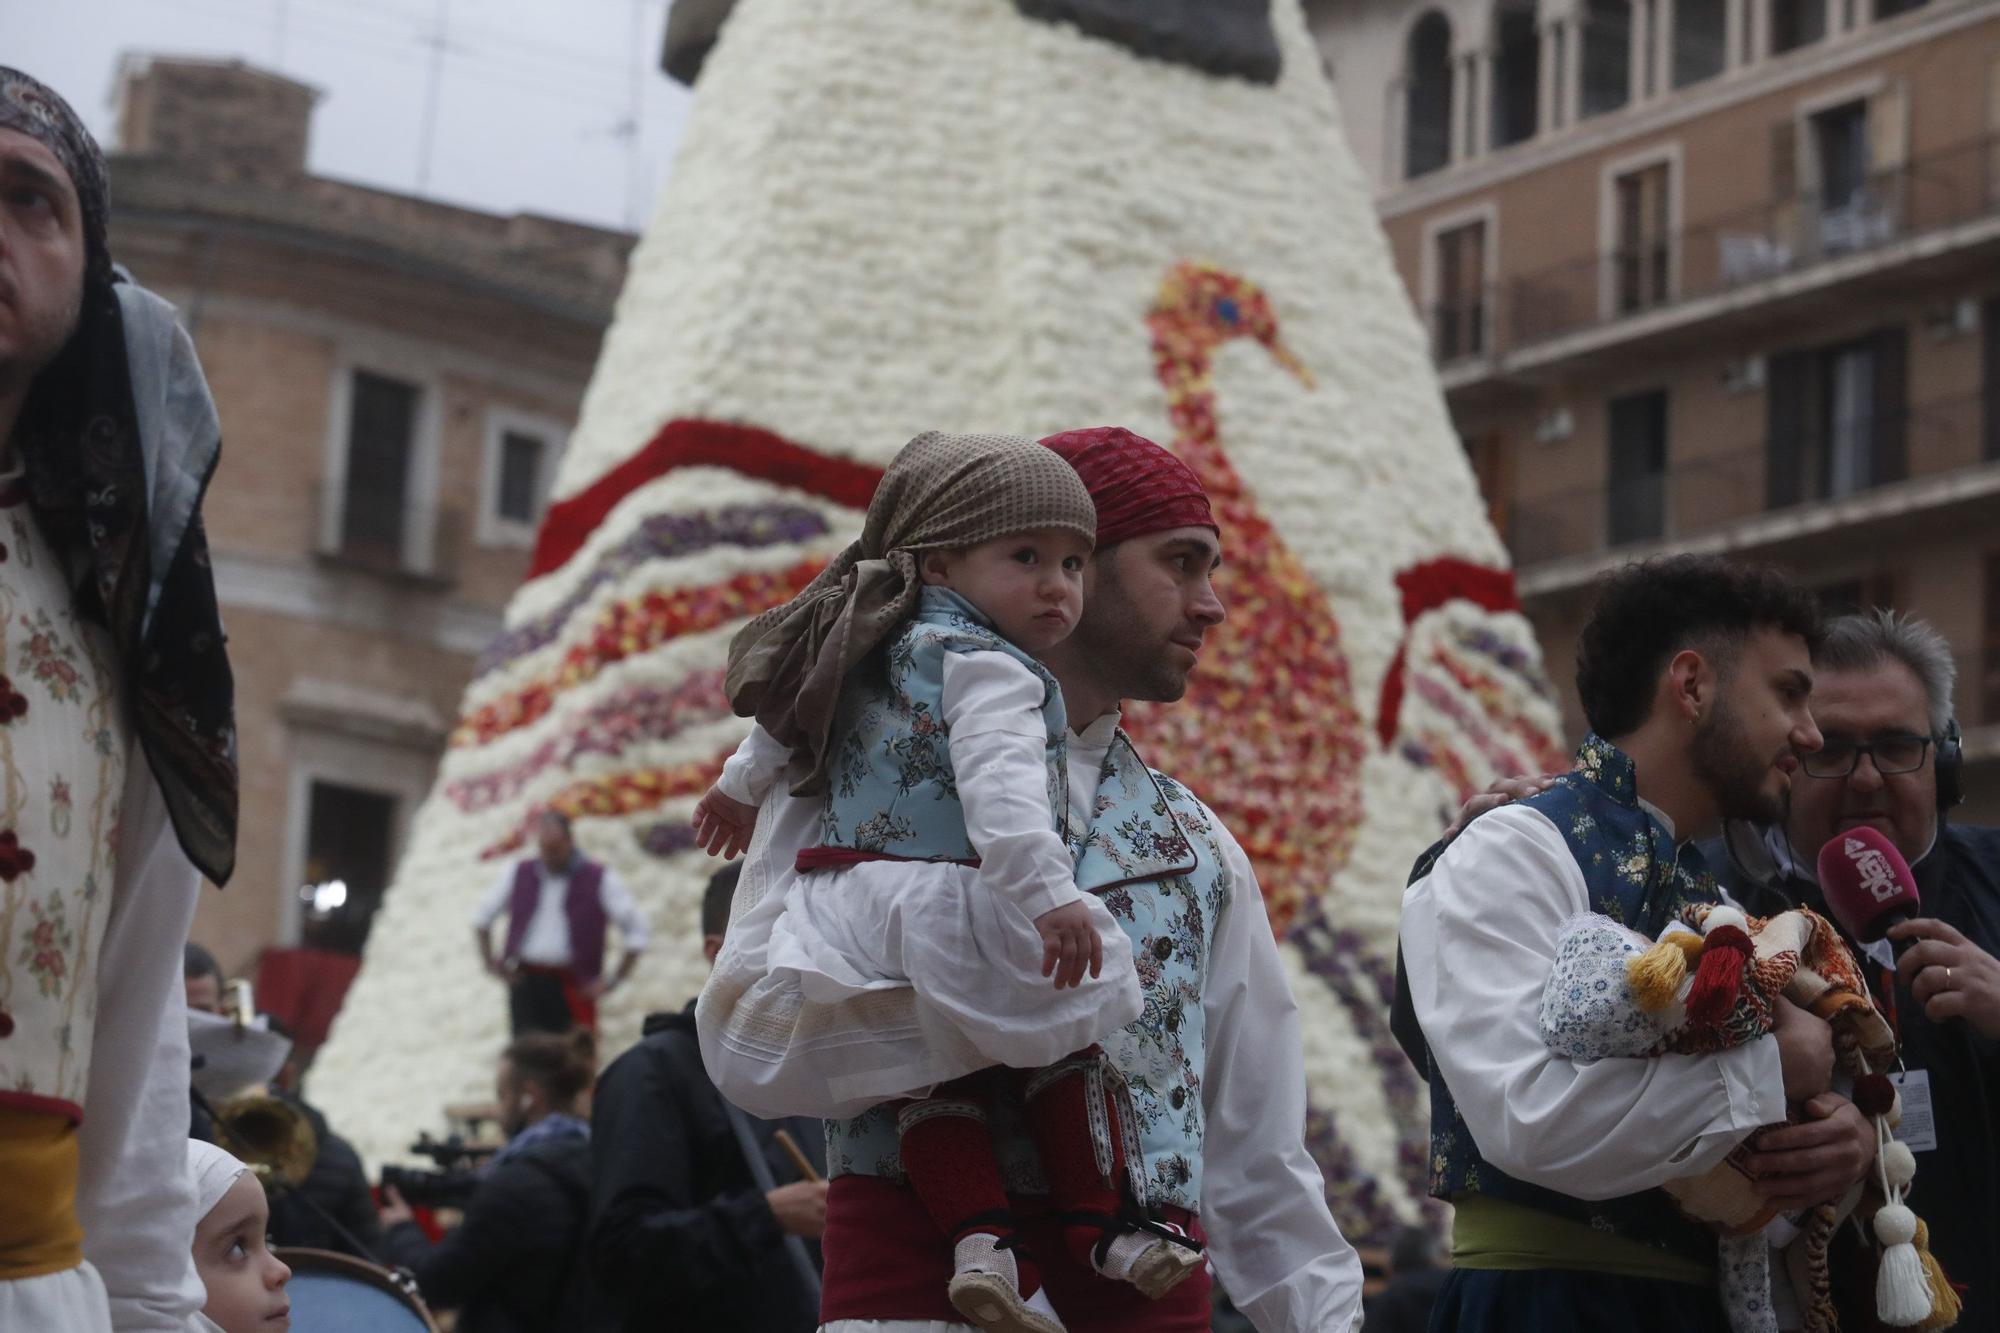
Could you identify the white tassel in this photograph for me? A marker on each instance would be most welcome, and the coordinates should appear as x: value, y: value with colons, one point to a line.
x: 1902, y: 1295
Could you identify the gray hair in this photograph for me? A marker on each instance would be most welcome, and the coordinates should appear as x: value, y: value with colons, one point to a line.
x: 1865, y: 640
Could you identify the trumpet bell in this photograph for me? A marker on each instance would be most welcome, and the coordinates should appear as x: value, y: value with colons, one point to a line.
x: 271, y: 1136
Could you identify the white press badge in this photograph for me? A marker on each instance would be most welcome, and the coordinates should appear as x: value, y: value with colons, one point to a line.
x: 1919, y: 1127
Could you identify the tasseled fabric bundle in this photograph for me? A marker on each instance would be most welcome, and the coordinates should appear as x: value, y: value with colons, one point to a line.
x: 1726, y: 949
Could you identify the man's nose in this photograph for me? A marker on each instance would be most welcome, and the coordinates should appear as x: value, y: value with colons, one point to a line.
x: 1208, y: 608
x: 1865, y: 775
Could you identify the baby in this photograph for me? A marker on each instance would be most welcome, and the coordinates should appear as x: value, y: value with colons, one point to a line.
x: 244, y: 1280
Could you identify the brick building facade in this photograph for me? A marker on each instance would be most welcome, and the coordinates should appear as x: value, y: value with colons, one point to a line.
x: 395, y: 379
x: 1713, y: 275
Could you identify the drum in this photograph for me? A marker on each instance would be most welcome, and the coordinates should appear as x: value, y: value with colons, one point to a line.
x: 337, y: 1293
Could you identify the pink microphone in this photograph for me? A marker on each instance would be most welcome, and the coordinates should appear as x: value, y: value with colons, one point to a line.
x: 1868, y: 885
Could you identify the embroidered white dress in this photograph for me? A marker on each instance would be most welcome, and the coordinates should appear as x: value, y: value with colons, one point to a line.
x: 95, y: 901
x: 962, y: 937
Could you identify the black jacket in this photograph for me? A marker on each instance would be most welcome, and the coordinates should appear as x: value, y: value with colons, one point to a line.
x: 1957, y: 1189
x: 339, y: 1185
x: 514, y: 1264
x: 680, y: 1236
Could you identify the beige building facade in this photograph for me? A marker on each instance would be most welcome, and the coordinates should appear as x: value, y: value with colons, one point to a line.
x: 395, y: 378
x: 1710, y: 275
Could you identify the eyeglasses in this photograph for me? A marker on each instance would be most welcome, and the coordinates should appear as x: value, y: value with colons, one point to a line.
x: 1891, y: 755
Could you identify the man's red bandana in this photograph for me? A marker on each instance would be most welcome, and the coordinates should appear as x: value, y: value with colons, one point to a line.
x: 1138, y: 487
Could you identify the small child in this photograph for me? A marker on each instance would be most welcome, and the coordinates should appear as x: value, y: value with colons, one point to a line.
x: 902, y: 686
x: 245, y: 1281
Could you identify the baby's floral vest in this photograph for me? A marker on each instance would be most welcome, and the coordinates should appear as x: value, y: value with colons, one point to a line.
x: 1635, y: 875
x: 892, y: 791
x: 1151, y: 857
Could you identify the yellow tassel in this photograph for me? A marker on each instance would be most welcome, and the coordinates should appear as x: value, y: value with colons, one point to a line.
x: 1656, y: 974
x: 1945, y: 1304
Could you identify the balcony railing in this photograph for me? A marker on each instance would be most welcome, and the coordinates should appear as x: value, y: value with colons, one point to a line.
x: 1718, y: 255
x: 387, y: 535
x: 1721, y: 487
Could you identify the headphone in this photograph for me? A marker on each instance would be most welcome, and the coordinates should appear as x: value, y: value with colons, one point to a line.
x: 1950, y: 764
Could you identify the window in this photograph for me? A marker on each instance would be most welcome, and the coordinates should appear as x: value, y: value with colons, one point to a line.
x: 1643, y: 259
x: 1487, y: 453
x: 1637, y: 495
x: 1460, y: 314
x: 1856, y: 594
x: 1840, y: 141
x: 1427, y: 115
x: 520, y: 476
x: 1701, y: 40
x: 1837, y: 418
x: 1517, y: 72
x: 1607, y: 56
x: 350, y: 835
x: 1888, y: 9
x: 381, y: 439
x: 1796, y: 23
x: 521, y: 453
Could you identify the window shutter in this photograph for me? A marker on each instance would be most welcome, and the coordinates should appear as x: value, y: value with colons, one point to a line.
x: 1888, y: 130
x: 1788, y: 403
x: 1784, y: 160
x: 1891, y: 406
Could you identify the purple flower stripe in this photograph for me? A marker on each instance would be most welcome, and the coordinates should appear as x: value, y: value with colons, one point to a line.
x: 1364, y: 987
x: 666, y: 838
x: 627, y: 718
x: 660, y: 537
x: 1487, y: 644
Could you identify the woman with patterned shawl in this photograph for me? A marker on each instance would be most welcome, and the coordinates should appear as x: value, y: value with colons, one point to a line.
x: 117, y: 749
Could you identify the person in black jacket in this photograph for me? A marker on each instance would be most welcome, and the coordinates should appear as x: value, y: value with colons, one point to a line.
x: 1882, y: 697
x: 1404, y: 1305
x: 688, y: 1230
x: 515, y: 1264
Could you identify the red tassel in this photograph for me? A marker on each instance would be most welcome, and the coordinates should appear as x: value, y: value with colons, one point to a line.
x: 1723, y: 955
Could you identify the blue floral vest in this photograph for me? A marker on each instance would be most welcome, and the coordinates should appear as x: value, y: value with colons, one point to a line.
x: 1636, y: 875
x: 891, y: 789
x: 1151, y: 856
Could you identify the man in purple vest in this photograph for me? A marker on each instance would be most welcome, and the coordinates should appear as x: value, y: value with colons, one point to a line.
x: 557, y: 904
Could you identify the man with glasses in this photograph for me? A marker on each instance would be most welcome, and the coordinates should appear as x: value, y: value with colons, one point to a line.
x: 1889, y: 760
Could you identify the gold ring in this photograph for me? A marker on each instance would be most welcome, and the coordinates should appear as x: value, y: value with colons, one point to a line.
x: 1947, y: 978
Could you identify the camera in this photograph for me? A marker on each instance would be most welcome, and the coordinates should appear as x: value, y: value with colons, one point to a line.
x: 447, y: 1187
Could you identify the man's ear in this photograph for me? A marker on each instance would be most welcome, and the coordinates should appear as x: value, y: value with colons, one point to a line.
x: 934, y: 567
x: 711, y: 945
x: 1690, y: 685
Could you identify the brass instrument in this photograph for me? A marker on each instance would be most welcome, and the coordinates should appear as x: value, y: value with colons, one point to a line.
x: 271, y: 1136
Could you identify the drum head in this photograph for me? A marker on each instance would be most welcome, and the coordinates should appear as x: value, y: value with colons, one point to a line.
x: 337, y: 1293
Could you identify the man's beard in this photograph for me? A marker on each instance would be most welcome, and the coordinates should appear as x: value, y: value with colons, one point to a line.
x: 1121, y: 647
x: 1732, y: 774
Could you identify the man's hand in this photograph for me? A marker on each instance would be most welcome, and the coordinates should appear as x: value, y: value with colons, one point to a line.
x: 595, y: 989
x: 1069, y: 943
x: 1800, y: 1166
x: 1500, y: 793
x: 392, y: 1209
x: 502, y: 969
x: 1949, y: 975
x: 723, y: 824
x: 800, y: 1208
x: 1805, y: 1051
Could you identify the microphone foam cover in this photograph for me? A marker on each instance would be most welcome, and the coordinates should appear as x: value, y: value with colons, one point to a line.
x: 1866, y: 882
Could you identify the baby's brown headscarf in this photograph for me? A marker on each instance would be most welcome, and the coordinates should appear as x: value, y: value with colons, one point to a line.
x: 787, y: 666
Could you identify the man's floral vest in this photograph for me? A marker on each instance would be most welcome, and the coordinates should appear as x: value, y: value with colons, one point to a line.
x: 892, y: 790
x: 1635, y: 875
x: 1151, y: 857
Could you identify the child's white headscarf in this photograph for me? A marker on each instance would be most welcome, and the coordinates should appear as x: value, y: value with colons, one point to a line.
x: 213, y: 1172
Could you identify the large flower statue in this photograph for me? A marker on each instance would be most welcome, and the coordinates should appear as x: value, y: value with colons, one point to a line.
x: 976, y: 215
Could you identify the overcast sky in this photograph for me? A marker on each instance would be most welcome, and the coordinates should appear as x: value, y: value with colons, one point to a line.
x: 534, y: 98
